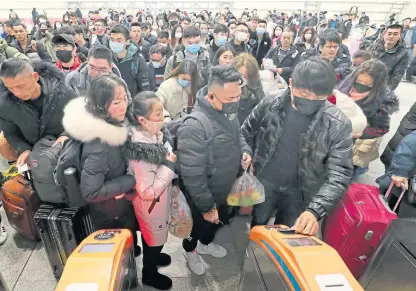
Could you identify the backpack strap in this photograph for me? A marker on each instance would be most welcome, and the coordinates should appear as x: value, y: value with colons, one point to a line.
x: 209, y: 132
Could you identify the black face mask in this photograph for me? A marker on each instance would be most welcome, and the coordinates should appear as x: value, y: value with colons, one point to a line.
x: 360, y: 88
x: 43, y: 31
x: 64, y: 56
x: 306, y: 106
x: 173, y: 22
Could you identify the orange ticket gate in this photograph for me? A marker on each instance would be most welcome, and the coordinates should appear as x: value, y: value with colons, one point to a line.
x: 278, y: 259
x: 104, y: 261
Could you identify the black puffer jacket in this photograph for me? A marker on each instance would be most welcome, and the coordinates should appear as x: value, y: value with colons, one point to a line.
x: 21, y: 123
x: 326, y: 149
x: 407, y: 126
x: 104, y: 169
x: 207, y: 187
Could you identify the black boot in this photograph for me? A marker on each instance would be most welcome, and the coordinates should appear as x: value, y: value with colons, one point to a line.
x: 137, y: 251
x: 164, y: 260
x: 157, y: 280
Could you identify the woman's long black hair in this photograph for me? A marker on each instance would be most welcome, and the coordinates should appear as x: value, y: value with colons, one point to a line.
x: 100, y: 94
x: 378, y: 72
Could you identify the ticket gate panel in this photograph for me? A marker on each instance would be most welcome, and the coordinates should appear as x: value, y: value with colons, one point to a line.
x: 104, y: 261
x: 283, y: 261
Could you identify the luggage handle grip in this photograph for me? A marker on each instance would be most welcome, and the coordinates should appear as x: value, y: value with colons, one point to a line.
x: 386, y: 196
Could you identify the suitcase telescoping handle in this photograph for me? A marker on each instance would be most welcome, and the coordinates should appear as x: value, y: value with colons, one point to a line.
x: 386, y: 196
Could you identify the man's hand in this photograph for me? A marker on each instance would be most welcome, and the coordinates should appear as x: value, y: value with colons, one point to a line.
x: 212, y: 216
x: 60, y: 140
x: 306, y: 224
x: 400, y: 181
x: 279, y: 71
x: 23, y: 158
x: 245, y: 161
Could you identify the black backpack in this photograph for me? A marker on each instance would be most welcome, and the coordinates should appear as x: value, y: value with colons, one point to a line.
x: 68, y: 171
x: 176, y: 123
x: 42, y: 160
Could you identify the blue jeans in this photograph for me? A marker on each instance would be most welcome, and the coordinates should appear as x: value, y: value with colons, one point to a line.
x: 288, y: 202
x: 358, y: 171
x: 410, y: 53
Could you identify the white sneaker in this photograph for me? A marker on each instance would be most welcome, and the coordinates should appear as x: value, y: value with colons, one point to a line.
x: 195, y: 263
x: 3, y: 235
x: 212, y: 249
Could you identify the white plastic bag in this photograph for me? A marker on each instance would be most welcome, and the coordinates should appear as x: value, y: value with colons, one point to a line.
x: 246, y: 191
x: 181, y: 217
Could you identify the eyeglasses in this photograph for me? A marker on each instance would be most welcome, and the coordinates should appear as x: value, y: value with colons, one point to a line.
x: 100, y: 70
x: 332, y: 47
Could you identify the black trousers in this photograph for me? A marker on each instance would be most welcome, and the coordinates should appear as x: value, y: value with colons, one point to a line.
x: 150, y: 258
x: 410, y: 72
x: 203, y: 230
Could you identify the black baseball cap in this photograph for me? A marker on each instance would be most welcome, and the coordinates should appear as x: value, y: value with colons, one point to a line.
x: 63, y: 38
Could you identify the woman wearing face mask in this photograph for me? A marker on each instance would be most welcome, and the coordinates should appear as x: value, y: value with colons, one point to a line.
x: 367, y: 86
x: 180, y: 88
x: 224, y: 56
x: 306, y: 40
x: 65, y: 19
x: 251, y: 89
x: 99, y: 122
x: 176, y: 36
x: 277, y: 34
x: 204, y: 35
x: 155, y: 29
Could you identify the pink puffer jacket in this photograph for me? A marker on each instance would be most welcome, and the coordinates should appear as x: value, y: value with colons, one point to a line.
x: 153, y: 174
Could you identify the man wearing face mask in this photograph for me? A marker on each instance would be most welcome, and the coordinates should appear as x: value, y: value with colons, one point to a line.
x: 66, y: 50
x: 220, y: 39
x: 191, y: 50
x: 128, y: 58
x: 207, y: 186
x: 260, y: 42
x: 307, y: 166
x: 157, y: 66
x: 241, y: 38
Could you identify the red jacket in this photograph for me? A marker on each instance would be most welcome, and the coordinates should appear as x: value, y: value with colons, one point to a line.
x: 76, y: 65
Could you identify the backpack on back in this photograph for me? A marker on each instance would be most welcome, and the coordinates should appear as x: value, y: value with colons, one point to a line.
x: 42, y: 160
x: 177, y: 122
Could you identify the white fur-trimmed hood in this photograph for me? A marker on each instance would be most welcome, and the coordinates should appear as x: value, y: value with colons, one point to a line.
x: 83, y: 126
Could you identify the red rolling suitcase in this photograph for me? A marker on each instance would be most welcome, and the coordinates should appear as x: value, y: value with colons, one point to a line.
x: 357, y: 224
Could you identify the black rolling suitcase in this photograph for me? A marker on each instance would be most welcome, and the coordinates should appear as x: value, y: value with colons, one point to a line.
x: 393, y: 265
x: 61, y: 230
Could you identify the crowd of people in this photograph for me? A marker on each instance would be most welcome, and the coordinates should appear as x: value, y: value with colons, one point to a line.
x: 283, y: 94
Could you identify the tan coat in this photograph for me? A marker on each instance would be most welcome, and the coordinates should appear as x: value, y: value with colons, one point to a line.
x: 173, y: 96
x: 366, y: 151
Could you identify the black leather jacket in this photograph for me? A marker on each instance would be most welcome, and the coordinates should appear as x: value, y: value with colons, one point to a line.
x: 325, y: 167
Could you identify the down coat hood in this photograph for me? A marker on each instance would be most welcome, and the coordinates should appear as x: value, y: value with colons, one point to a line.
x: 83, y: 126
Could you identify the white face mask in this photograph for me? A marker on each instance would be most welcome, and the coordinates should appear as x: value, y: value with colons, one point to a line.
x: 241, y: 36
x: 153, y: 127
x: 308, y: 36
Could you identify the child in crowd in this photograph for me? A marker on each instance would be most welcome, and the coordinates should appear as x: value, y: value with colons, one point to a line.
x: 152, y: 165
